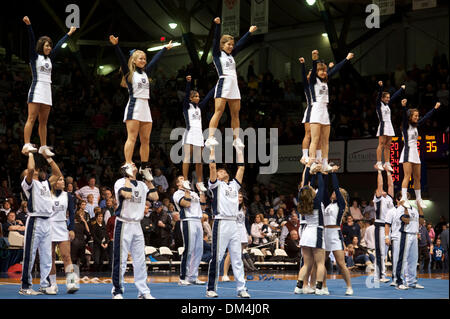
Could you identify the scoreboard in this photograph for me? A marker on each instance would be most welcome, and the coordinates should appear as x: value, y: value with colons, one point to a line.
x: 431, y: 147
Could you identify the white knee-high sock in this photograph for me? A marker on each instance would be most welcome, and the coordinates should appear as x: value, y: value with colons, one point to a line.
x: 418, y: 194
x: 305, y: 152
x: 53, y: 280
x: 405, y: 193
x: 319, y: 154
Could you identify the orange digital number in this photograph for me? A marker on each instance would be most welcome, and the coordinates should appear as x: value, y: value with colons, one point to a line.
x: 431, y: 147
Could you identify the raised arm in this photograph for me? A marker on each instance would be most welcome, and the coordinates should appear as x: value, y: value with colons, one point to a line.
x: 31, y: 39
x: 390, y: 183
x: 122, y: 60
x: 56, y: 172
x: 380, y: 92
x: 58, y: 45
x: 187, y: 92
x: 320, y: 191
x: 326, y: 195
x: 240, y: 44
x: 206, y: 99
x: 304, y: 75
x: 212, y: 166
x: 405, y: 119
x: 241, y: 166
x: 397, y: 94
x: 379, y: 190
x: 338, y: 66
x: 30, y: 168
x: 216, y: 39
x: 149, y: 68
x: 315, y: 60
x: 429, y: 114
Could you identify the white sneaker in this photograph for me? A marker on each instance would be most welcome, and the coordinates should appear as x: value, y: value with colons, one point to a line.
x: 388, y: 166
x: 183, y: 283
x: 211, y: 142
x: 187, y: 185
x: 52, y: 290
x: 72, y: 283
x: 298, y: 291
x: 401, y: 287
x: 237, y: 143
x: 146, y: 173
x: 349, y: 291
x: 29, y: 292
x: 369, y: 268
x: 243, y: 294
x: 384, y: 280
x: 198, y: 282
x: 128, y: 169
x: 326, y: 168
x: 421, y: 203
x: 379, y: 166
x: 225, y: 278
x: 315, y: 167
x: 309, y: 290
x: 27, y: 148
x: 211, y: 294
x: 201, y: 187
x: 146, y: 296
x: 393, y: 284
x: 405, y: 203
x: 118, y: 296
x: 417, y: 286
x: 326, y: 290
x: 304, y: 160
x: 321, y: 292
x: 46, y: 150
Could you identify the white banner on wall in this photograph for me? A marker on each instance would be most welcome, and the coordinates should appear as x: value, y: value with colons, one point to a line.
x: 386, y: 6
x: 289, y: 157
x: 230, y: 17
x: 361, y: 155
x: 423, y: 4
x: 260, y: 15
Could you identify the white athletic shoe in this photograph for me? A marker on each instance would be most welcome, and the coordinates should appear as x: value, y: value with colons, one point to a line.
x: 237, y: 143
x: 211, y: 142
x: 379, y: 166
x: 187, y: 185
x: 416, y: 286
x: 198, y: 282
x: 52, y: 290
x: 370, y: 268
x: 72, y: 283
x: 393, y: 284
x: 349, y: 291
x: 128, y: 169
x: 326, y: 290
x: 327, y: 168
x: 321, y: 292
x: 401, y: 287
x: 182, y: 282
x: 243, y: 294
x: 29, y: 292
x: 225, y: 278
x: 201, y: 187
x: 146, y: 296
x: 211, y: 294
x: 304, y: 160
x: 383, y: 280
x: 405, y: 203
x: 27, y: 148
x: 118, y: 296
x: 388, y: 166
x: 309, y: 290
x: 298, y: 291
x: 46, y: 150
x: 315, y: 167
x: 146, y: 173
x: 421, y: 203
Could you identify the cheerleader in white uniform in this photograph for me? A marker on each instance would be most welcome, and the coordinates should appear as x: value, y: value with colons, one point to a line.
x: 227, y: 89
x: 40, y: 93
x: 320, y: 119
x: 385, y: 128
x: 312, y: 242
x: 334, y: 241
x: 193, y: 136
x: 62, y: 234
x: 137, y: 114
x: 410, y: 155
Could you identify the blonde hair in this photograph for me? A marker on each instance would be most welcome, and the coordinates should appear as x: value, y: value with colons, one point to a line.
x: 224, y: 39
x: 345, y: 195
x: 131, y: 67
x: 306, y: 201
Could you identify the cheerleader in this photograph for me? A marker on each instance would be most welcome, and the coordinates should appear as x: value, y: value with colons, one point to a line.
x: 384, y: 201
x: 385, y: 129
x: 62, y: 234
x: 320, y: 119
x: 227, y: 89
x: 410, y: 155
x: 40, y: 93
x: 137, y: 114
x: 312, y: 241
x: 193, y: 136
x: 334, y: 241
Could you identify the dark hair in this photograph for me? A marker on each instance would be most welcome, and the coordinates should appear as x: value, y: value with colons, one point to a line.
x: 410, y: 113
x: 384, y: 94
x: 41, y: 42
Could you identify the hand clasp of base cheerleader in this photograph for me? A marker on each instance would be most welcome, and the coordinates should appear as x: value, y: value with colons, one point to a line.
x: 385, y: 129
x: 410, y: 155
x: 227, y: 89
x: 39, y: 100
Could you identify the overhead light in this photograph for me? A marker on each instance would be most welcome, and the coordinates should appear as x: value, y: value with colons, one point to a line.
x: 310, y: 2
x: 325, y: 35
x: 159, y: 47
x: 101, y: 67
x: 173, y: 25
x: 200, y: 53
x: 64, y: 45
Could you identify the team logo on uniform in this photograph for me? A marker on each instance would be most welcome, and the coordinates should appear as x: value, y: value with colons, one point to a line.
x: 46, y: 65
x: 143, y: 80
x: 230, y: 192
x: 57, y: 203
x: 136, y: 193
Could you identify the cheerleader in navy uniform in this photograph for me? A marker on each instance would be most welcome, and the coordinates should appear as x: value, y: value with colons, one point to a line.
x: 410, y: 155
x: 227, y: 89
x: 193, y: 136
x: 40, y: 93
x: 385, y: 129
x: 320, y: 119
x: 137, y: 115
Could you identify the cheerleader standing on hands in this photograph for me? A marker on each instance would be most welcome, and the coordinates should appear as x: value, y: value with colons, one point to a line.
x: 40, y: 93
x: 137, y: 115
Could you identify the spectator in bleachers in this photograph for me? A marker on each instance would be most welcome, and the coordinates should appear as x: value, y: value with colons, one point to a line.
x: 12, y: 224
x: 84, y: 191
x: 90, y: 206
x: 444, y: 241
x: 101, y: 240
x: 206, y: 257
x: 176, y: 231
x: 207, y: 228
x: 431, y: 232
x: 292, y: 224
x: 146, y: 224
x: 280, y: 218
x: 162, y: 234
x: 368, y: 235
x: 292, y: 245
x: 350, y: 229
x: 107, y: 195
x: 22, y: 213
x: 4, y: 211
x: 355, y: 211
x: 369, y: 211
x: 110, y: 230
x: 160, y: 180
x: 258, y: 235
x: 438, y: 256
x: 5, y: 190
x: 109, y: 210
x: 256, y: 208
x: 440, y: 226
x: 424, y: 244
x: 362, y: 256
x: 78, y: 244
